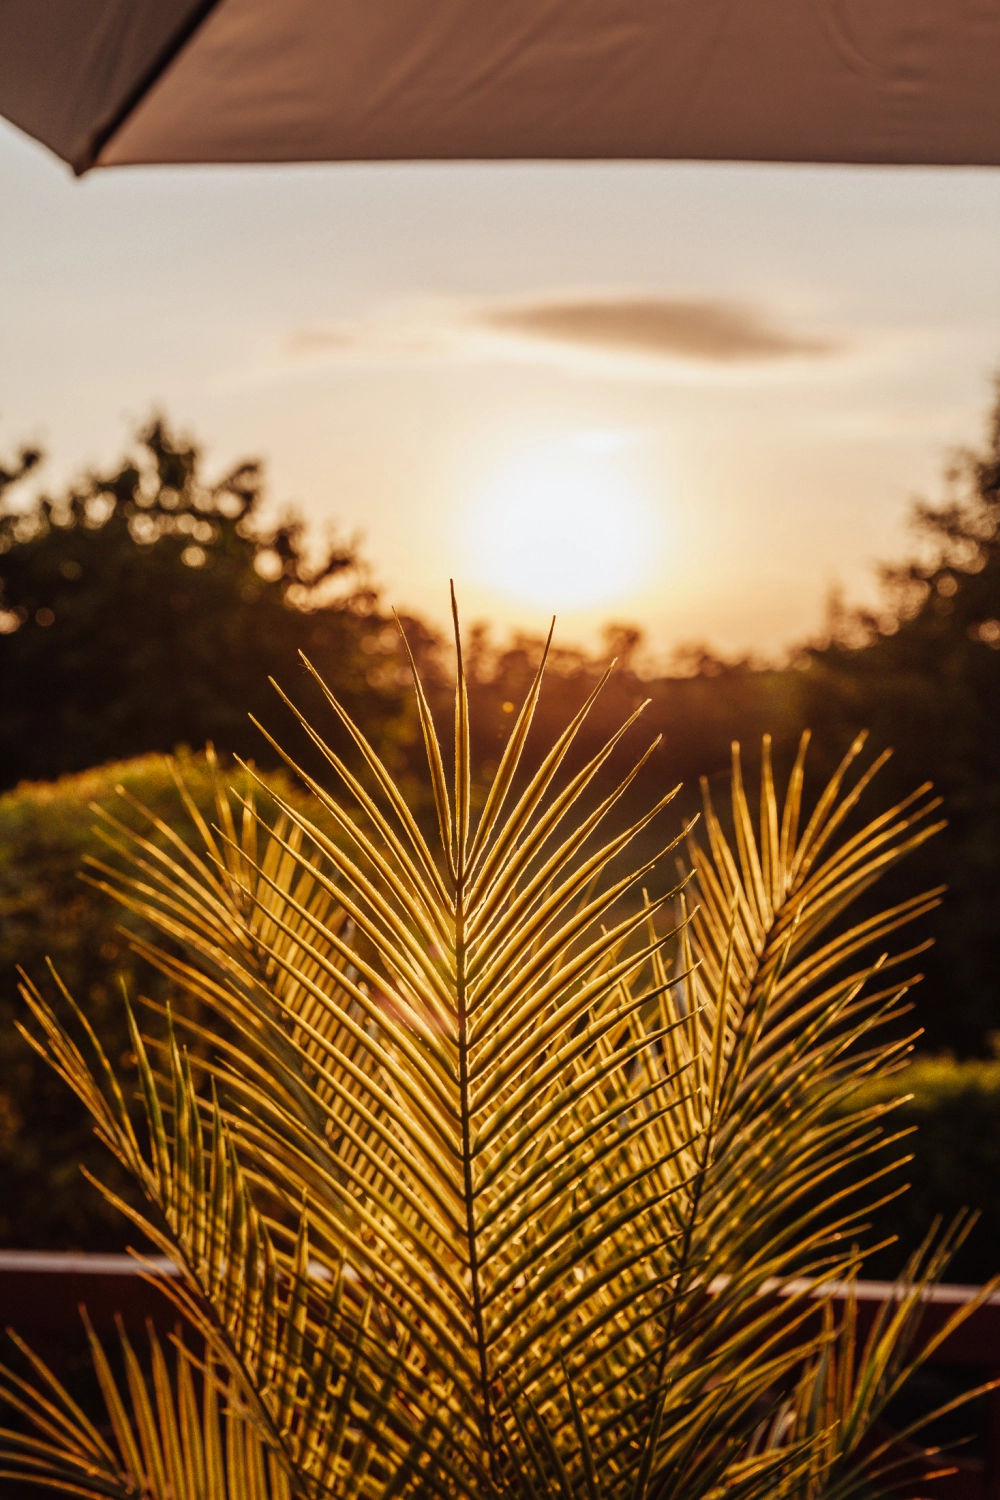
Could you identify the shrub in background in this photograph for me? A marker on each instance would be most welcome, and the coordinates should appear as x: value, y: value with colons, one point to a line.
x: 47, y: 832
x: 955, y: 1107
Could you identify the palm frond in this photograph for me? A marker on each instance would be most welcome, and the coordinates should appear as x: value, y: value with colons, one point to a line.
x: 846, y: 1390
x: 180, y: 1436
x: 493, y: 1158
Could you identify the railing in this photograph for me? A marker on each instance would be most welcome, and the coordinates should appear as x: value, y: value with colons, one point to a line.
x: 41, y: 1293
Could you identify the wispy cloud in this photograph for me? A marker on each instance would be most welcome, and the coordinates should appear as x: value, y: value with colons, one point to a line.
x: 656, y: 327
x: 643, y: 335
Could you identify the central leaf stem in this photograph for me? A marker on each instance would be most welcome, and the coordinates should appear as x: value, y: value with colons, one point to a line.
x: 486, y: 1413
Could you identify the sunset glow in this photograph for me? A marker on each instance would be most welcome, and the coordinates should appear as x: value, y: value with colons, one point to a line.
x: 563, y: 524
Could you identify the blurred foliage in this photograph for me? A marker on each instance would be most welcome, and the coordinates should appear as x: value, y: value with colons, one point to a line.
x: 47, y: 911
x: 694, y: 717
x: 924, y: 676
x: 146, y: 607
x: 955, y: 1107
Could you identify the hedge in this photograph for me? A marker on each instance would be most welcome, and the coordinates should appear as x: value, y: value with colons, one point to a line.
x: 47, y: 911
x: 955, y: 1107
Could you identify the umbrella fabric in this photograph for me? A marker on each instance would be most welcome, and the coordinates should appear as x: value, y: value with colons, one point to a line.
x: 110, y: 82
x: 72, y: 70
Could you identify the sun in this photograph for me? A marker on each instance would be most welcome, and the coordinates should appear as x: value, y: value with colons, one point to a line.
x: 563, y: 524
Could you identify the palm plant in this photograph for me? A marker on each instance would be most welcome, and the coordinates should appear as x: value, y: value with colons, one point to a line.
x: 488, y: 1174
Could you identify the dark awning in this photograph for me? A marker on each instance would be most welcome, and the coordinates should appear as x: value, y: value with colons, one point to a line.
x: 114, y: 81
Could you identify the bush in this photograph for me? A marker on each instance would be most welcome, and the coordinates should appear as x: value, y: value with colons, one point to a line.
x: 955, y: 1107
x: 47, y: 831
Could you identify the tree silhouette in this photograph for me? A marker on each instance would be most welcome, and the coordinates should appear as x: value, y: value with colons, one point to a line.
x: 924, y: 676
x: 147, y: 607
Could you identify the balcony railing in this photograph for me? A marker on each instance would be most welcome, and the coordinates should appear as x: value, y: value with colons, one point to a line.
x: 41, y: 1293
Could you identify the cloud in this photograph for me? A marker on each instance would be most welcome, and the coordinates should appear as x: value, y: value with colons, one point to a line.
x: 399, y: 336
x: 656, y: 327
x: 601, y: 333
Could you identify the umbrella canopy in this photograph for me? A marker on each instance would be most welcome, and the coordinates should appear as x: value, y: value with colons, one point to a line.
x: 106, y: 82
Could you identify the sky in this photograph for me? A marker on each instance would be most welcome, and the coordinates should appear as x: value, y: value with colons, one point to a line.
x: 691, y: 397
